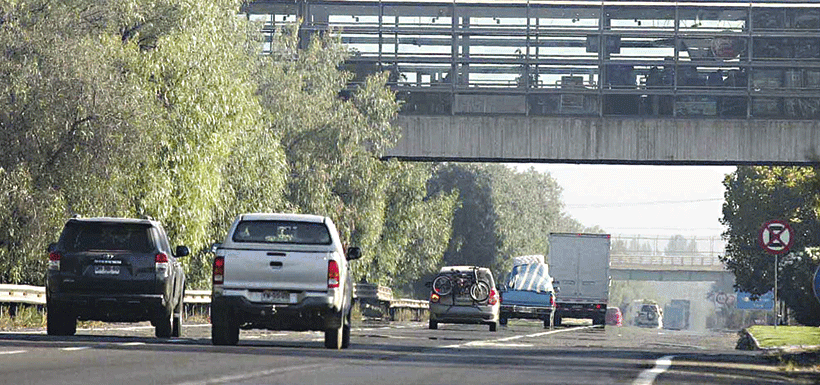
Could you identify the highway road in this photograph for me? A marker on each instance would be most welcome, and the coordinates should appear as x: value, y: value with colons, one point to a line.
x: 395, y: 353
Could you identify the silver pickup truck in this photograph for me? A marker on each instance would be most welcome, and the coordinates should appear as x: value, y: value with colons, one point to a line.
x: 282, y: 272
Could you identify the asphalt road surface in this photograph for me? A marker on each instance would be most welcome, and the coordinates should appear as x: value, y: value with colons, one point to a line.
x: 396, y: 354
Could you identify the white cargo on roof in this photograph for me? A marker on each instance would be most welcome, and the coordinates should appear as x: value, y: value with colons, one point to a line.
x: 528, y: 259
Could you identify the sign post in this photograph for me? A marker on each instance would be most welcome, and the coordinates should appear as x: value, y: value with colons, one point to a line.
x: 776, y: 238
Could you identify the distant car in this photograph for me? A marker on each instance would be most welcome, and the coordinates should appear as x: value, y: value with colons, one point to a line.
x: 464, y: 295
x: 614, y: 317
x: 649, y: 316
x: 115, y: 270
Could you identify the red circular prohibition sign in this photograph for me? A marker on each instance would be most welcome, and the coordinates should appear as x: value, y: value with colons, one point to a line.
x: 776, y: 237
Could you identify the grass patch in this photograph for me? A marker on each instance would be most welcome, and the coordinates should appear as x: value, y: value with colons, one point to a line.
x: 783, y: 336
x: 21, y: 316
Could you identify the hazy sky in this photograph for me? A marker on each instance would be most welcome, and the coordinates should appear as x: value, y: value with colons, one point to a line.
x: 643, y: 200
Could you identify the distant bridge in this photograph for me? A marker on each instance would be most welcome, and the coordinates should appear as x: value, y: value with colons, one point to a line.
x: 587, y: 81
x: 669, y: 268
x: 654, y: 263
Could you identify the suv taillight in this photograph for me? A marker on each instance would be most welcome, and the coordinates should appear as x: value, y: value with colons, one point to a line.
x: 161, y: 264
x: 219, y: 270
x: 493, y: 297
x: 552, y: 300
x: 54, y: 260
x: 332, y: 274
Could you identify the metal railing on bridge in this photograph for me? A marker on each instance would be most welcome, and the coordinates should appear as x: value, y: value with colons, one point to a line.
x: 736, y: 59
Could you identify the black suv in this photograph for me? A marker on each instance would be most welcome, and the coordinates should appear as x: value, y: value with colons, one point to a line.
x: 115, y: 270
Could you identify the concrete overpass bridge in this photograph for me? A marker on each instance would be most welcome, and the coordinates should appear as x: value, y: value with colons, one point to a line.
x: 669, y: 259
x: 597, y: 81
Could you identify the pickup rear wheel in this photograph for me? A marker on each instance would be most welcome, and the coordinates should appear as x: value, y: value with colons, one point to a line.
x: 224, y: 331
x: 346, y: 332
x: 334, y: 337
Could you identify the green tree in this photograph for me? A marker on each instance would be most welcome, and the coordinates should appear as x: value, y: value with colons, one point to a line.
x: 333, y: 141
x: 755, y: 195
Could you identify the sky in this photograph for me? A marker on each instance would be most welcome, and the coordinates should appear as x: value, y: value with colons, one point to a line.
x: 642, y: 200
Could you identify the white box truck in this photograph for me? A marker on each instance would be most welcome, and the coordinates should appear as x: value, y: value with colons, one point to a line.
x: 579, y: 264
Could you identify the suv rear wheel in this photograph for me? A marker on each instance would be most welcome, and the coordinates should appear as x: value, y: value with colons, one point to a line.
x: 176, y: 324
x: 59, y: 322
x: 164, y: 325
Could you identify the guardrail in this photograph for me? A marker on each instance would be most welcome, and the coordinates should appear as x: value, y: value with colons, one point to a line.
x: 36, y: 295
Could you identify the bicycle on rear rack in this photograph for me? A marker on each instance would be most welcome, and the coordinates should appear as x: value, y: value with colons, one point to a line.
x: 461, y: 283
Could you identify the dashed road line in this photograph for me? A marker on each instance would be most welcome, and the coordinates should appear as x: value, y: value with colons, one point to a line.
x: 13, y: 352
x: 73, y: 348
x: 647, y: 377
x: 499, y: 341
x: 264, y: 373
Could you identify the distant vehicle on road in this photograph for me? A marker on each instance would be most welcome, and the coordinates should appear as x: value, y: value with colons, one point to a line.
x: 115, y: 270
x: 528, y: 291
x: 676, y: 315
x: 464, y: 295
x: 579, y: 263
x: 282, y: 272
x: 614, y: 317
x: 650, y: 316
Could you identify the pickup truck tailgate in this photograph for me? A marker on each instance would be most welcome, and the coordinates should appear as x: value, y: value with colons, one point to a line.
x: 525, y: 298
x: 283, y: 270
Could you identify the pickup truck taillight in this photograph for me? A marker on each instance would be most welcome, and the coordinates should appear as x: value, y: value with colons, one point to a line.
x: 219, y: 270
x: 332, y: 274
x: 493, y: 297
x: 552, y: 300
x: 54, y: 260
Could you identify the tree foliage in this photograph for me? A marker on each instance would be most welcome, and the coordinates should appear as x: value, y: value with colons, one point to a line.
x: 167, y: 109
x: 500, y: 214
x: 755, y: 195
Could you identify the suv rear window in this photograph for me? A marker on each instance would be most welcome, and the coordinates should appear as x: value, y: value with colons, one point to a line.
x: 302, y: 233
x: 78, y: 237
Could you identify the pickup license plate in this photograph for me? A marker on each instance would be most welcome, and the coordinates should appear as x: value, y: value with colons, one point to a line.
x: 106, y: 270
x: 278, y: 296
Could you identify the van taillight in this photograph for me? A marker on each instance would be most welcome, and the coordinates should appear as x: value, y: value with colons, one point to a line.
x: 54, y: 260
x: 332, y: 274
x: 219, y: 270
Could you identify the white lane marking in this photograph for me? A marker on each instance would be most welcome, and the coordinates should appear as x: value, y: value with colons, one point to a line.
x: 13, y: 352
x: 132, y: 343
x: 75, y: 348
x: 263, y: 373
x: 647, y: 377
x: 513, y: 338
